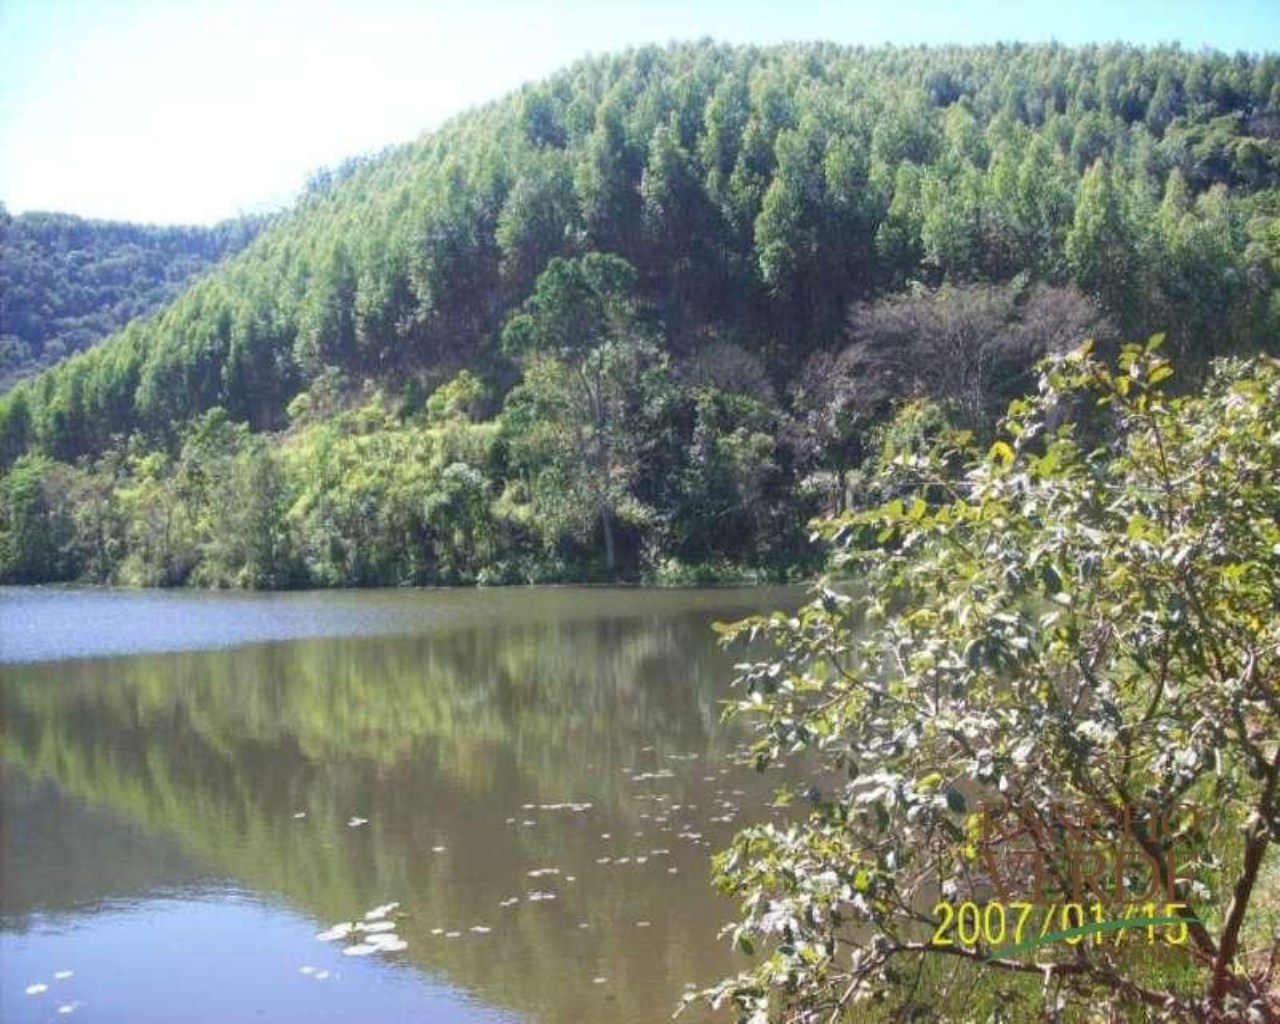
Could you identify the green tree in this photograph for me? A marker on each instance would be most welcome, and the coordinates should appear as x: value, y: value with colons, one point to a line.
x: 725, y: 504
x: 161, y: 537
x: 1200, y: 244
x: 786, y: 237
x: 36, y: 526
x: 951, y: 228
x: 588, y: 361
x: 538, y: 220
x: 1102, y: 245
x: 1044, y: 208
x: 15, y: 426
x: 327, y: 331
x: 898, y: 242
x: 1054, y: 626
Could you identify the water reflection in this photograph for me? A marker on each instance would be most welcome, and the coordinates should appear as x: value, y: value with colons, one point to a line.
x: 577, y: 740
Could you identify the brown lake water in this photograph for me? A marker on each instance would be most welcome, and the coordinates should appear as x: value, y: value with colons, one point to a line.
x: 196, y: 785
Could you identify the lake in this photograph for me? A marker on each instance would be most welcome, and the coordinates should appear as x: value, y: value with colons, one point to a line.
x: 195, y: 786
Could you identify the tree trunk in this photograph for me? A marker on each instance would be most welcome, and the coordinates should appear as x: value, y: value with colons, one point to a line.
x: 610, y: 559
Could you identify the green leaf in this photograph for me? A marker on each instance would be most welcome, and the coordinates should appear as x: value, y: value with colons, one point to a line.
x: 1001, y: 452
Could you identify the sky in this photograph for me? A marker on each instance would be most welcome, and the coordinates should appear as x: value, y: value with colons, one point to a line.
x: 190, y: 111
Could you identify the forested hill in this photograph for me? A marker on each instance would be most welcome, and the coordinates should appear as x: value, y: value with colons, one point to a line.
x: 67, y: 282
x: 652, y: 312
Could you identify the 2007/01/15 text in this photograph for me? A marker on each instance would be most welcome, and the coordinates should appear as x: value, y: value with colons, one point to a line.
x: 1019, y: 926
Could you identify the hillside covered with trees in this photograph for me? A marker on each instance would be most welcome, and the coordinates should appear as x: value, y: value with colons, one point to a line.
x: 647, y: 317
x: 66, y: 282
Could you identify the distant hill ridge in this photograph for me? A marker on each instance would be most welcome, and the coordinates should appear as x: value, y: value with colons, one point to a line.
x: 66, y: 282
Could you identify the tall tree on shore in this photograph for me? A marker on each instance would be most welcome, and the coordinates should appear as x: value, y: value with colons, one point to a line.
x: 588, y: 358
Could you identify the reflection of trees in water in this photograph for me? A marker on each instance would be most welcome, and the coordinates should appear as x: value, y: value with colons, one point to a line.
x: 529, y: 691
x: 59, y: 854
x: 437, y: 739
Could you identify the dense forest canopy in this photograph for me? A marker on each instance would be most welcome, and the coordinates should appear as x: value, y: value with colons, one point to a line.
x: 651, y: 314
x: 66, y: 282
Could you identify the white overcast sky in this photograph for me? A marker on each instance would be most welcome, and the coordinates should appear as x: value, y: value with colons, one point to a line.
x: 188, y: 111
